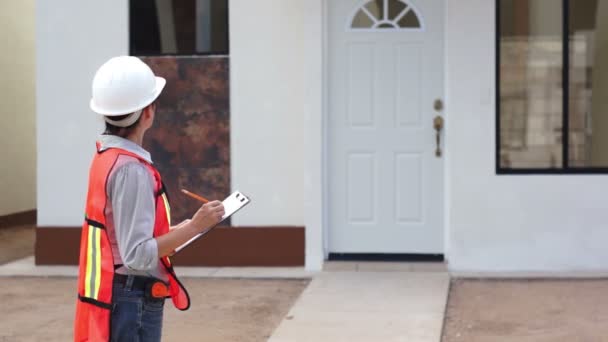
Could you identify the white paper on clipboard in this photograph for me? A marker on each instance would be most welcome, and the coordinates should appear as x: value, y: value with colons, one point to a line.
x: 232, y: 204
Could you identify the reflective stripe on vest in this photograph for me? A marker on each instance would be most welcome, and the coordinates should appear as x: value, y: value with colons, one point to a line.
x: 93, y: 270
x: 167, y: 207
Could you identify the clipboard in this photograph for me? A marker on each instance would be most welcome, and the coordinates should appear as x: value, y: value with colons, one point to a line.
x: 233, y: 203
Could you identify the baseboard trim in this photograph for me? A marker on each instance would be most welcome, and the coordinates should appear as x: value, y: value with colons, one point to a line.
x: 18, y: 219
x: 223, y: 246
x: 386, y: 257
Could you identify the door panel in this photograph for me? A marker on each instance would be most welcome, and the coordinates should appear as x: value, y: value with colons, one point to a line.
x: 385, y: 72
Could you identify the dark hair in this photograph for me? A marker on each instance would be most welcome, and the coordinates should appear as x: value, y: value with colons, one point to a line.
x: 122, y: 132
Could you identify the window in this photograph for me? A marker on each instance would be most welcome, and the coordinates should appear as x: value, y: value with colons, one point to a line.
x: 385, y: 14
x: 552, y: 86
x: 178, y: 27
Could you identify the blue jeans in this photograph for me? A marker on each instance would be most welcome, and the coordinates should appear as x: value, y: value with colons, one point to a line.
x: 135, y: 318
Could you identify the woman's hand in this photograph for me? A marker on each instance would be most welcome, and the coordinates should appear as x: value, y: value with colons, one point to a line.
x: 208, y: 215
x: 205, y: 218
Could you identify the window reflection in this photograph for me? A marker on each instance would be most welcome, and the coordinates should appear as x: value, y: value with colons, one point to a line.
x: 531, y: 85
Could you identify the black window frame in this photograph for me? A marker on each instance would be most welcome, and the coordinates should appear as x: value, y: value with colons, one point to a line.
x: 197, y: 54
x: 565, y: 169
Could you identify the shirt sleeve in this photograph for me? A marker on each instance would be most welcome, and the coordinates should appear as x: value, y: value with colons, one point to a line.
x: 131, y: 192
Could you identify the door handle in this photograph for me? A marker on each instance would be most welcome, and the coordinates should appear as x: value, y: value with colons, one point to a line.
x: 438, y: 124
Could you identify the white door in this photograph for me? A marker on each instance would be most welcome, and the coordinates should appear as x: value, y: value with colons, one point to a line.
x: 385, y: 75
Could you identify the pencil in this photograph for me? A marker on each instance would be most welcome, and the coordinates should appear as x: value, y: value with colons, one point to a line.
x: 195, y: 196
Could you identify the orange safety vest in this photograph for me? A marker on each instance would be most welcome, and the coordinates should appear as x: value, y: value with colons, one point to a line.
x: 96, y: 272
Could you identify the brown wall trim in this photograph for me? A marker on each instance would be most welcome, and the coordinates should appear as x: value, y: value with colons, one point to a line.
x: 57, y: 245
x: 223, y: 246
x: 18, y: 219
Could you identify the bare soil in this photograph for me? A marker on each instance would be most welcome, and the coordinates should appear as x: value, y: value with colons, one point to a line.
x: 527, y: 311
x: 42, y: 309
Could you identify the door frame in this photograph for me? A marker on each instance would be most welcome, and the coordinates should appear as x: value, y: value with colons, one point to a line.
x: 324, y: 200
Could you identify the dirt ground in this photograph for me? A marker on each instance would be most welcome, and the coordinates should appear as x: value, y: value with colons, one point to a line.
x: 42, y: 309
x: 16, y: 243
x: 527, y: 311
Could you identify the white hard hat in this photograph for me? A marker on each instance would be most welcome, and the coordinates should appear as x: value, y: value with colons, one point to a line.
x: 124, y: 85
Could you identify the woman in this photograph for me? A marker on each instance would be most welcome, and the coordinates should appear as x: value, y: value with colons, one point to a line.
x: 125, y: 273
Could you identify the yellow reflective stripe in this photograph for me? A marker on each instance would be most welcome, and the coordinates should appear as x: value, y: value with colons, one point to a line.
x: 87, y: 278
x: 93, y: 247
x: 167, y: 208
x: 92, y: 277
x: 97, y: 262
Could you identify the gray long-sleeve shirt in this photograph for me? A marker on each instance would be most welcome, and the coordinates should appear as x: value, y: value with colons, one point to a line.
x: 131, y: 210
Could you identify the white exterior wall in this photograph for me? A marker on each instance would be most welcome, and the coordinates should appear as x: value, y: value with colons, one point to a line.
x: 505, y: 223
x: 73, y: 38
x: 267, y: 104
x: 493, y: 224
x: 314, y: 206
x: 267, y: 109
x: 17, y: 107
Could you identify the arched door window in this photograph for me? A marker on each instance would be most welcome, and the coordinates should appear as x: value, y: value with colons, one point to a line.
x: 386, y: 15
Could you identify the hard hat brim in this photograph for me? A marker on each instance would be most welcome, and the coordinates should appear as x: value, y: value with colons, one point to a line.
x: 160, y: 85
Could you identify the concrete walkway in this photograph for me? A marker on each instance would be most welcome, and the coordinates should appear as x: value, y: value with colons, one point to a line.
x: 390, y: 305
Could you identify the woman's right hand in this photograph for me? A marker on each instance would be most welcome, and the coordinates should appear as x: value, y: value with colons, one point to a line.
x: 208, y: 215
